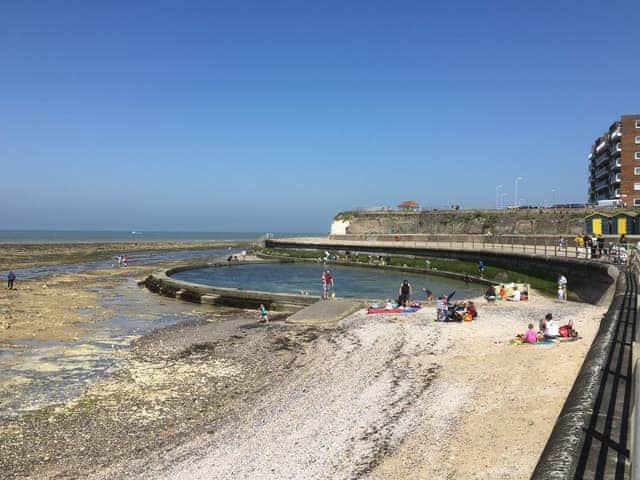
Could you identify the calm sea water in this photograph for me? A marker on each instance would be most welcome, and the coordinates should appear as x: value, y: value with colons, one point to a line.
x: 70, y: 236
x: 358, y: 282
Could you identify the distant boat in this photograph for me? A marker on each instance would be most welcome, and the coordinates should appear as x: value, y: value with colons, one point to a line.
x: 136, y: 233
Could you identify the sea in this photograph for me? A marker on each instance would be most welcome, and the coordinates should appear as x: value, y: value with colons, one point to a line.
x: 101, y: 236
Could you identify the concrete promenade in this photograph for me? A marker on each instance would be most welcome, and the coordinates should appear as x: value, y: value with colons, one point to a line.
x: 483, y: 244
x: 327, y: 312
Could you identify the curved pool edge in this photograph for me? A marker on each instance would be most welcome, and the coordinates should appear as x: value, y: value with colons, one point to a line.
x: 160, y: 282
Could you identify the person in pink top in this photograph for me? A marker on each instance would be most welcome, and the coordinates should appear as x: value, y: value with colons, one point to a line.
x: 531, y: 335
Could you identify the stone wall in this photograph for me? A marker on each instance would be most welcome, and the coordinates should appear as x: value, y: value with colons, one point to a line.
x: 567, y: 222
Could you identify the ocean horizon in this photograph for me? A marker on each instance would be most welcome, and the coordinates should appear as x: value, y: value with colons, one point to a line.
x: 103, y: 236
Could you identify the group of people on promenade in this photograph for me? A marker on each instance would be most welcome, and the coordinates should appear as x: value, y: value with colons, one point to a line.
x: 594, y: 246
x: 548, y: 329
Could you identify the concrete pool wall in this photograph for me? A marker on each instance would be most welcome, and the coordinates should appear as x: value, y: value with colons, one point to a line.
x: 162, y: 283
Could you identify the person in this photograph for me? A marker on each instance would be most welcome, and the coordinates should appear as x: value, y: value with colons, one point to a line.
x: 561, y: 242
x: 404, y: 293
x: 515, y: 296
x: 471, y: 308
x: 442, y: 309
x: 327, y: 284
x: 542, y: 322
x: 531, y: 335
x: 562, y: 287
x: 551, y: 328
x: 389, y: 305
x: 490, y: 294
x: 264, y: 314
x: 623, y: 239
x: 10, y: 279
x: 125, y: 260
x: 503, y: 292
x: 481, y: 268
x: 567, y: 330
x: 600, y: 242
x: 429, y: 294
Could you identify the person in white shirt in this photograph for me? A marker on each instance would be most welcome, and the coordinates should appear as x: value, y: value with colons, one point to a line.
x: 515, y: 296
x: 550, y: 327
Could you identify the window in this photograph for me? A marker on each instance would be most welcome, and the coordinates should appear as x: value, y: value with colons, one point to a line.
x: 637, y: 123
x: 636, y: 202
x: 636, y: 186
x: 636, y: 171
x: 637, y: 155
x: 638, y: 140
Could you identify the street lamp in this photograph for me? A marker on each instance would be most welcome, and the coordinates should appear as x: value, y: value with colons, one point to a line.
x: 515, y: 197
x: 498, y: 196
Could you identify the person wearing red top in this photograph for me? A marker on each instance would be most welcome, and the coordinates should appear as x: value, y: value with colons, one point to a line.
x: 327, y: 284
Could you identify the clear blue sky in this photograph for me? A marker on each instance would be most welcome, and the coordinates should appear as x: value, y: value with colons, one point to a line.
x: 274, y: 116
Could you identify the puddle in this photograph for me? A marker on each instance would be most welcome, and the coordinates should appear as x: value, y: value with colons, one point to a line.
x: 35, y: 374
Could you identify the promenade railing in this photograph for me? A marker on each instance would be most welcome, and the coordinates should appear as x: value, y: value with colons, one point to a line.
x: 536, y: 246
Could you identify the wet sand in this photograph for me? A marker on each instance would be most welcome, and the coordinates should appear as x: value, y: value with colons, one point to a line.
x: 384, y: 396
x: 27, y: 255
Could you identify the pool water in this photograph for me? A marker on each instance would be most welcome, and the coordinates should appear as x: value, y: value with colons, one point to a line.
x: 349, y: 281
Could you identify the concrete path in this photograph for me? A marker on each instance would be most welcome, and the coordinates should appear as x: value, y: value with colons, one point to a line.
x: 484, y: 244
x: 325, y: 312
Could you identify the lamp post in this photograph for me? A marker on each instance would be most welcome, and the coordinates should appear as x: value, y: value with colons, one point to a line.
x: 515, y: 197
x: 498, y: 196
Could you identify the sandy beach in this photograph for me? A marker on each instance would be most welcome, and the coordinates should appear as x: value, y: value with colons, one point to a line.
x: 378, y: 396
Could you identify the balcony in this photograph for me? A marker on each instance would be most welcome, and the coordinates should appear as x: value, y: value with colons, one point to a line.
x: 616, y: 179
x: 601, y: 172
x: 616, y: 194
x: 601, y: 145
x: 616, y: 134
x: 602, y: 184
x: 601, y: 159
x: 616, y: 164
x: 590, y: 156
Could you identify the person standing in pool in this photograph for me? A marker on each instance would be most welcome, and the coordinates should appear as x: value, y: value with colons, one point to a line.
x: 404, y: 293
x: 327, y: 283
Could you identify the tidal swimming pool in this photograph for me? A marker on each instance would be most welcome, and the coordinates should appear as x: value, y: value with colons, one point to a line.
x: 349, y: 281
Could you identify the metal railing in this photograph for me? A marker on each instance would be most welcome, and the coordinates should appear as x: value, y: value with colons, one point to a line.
x: 534, y: 246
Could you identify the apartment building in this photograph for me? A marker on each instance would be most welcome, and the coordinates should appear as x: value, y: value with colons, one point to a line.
x: 614, y: 163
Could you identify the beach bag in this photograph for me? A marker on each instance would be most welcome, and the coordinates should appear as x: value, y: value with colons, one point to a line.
x: 467, y: 317
x: 564, y: 331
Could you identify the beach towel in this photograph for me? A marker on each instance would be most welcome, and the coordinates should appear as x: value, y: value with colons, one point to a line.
x: 540, y: 342
x: 393, y: 310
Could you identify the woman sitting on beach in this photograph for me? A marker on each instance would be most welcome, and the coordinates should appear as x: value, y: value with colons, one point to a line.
x: 551, y: 328
x: 490, y: 294
x: 530, y: 336
x: 471, y: 308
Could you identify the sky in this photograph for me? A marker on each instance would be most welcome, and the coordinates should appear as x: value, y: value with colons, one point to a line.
x: 276, y: 115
